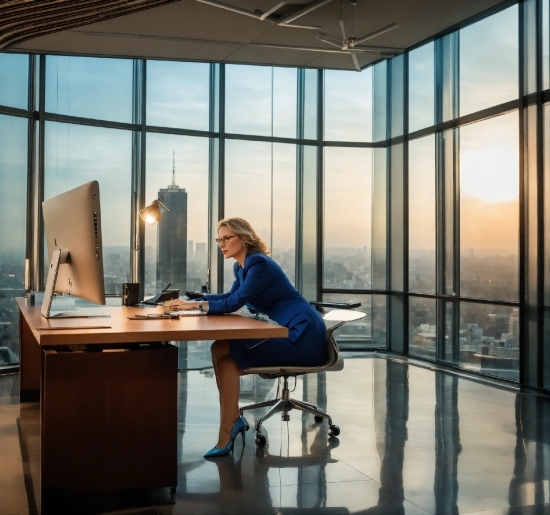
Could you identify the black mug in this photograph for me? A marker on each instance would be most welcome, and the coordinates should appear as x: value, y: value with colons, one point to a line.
x: 130, y: 294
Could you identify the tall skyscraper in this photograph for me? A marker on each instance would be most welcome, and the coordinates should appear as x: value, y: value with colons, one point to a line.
x: 172, y: 236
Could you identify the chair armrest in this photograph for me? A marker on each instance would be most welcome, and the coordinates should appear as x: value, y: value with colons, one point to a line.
x: 319, y: 305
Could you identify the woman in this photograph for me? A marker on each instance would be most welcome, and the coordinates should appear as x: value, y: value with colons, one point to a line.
x: 261, y: 285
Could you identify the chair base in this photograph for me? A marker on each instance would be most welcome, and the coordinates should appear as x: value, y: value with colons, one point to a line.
x: 284, y: 404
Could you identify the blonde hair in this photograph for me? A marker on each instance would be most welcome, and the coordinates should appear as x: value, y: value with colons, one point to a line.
x: 244, y: 230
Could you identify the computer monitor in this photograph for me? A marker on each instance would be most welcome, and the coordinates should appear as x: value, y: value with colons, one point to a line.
x: 72, y: 223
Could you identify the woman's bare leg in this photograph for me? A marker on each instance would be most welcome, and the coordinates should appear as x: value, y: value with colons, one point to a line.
x: 228, y: 380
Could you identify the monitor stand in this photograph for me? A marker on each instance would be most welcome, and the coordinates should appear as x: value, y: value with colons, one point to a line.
x: 59, y: 257
x: 75, y: 314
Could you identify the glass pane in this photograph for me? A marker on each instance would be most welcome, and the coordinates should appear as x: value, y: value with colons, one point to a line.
x: 546, y: 349
x: 421, y: 87
x: 347, y: 218
x: 422, y: 327
x: 348, y: 105
x: 89, y: 87
x: 448, y: 143
x: 489, y: 339
x: 397, y: 82
x: 285, y: 97
x: 308, y: 239
x: 529, y: 43
x: 546, y: 228
x: 178, y: 95
x: 379, y: 218
x: 450, y: 310
x: 283, y: 235
x: 356, y: 334
x: 489, y: 62
x: 260, y: 181
x: 311, y: 114
x: 380, y: 98
x: 449, y: 48
x: 13, y: 213
x: 380, y: 320
x: 176, y: 250
x: 77, y: 154
x: 368, y: 332
x: 546, y: 182
x: 422, y: 213
x: 397, y: 207
x: 260, y: 100
x: 14, y: 80
x: 546, y: 44
x: 489, y: 208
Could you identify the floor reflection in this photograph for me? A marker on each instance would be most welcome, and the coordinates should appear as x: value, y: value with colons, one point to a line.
x: 391, y: 494
x: 530, y: 483
x: 413, y: 441
x: 447, y: 444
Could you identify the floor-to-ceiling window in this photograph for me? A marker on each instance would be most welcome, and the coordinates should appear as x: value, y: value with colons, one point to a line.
x: 418, y: 187
x: 463, y: 196
x: 422, y: 246
x: 349, y: 214
x: 489, y: 245
x: 14, y: 93
x: 76, y: 152
x: 13, y: 211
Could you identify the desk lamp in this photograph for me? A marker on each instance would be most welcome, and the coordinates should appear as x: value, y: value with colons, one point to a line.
x: 152, y: 214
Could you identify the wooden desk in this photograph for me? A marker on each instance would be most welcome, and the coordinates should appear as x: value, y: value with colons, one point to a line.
x: 109, y: 409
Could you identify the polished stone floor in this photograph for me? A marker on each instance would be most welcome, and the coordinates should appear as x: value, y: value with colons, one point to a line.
x: 413, y: 440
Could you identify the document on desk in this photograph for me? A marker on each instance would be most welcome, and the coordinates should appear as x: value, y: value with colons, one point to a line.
x: 73, y: 328
x: 154, y: 316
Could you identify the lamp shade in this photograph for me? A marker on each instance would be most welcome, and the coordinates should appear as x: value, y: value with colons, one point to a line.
x: 152, y: 214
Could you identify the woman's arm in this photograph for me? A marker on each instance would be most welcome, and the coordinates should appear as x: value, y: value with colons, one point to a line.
x: 258, y: 277
x: 179, y: 304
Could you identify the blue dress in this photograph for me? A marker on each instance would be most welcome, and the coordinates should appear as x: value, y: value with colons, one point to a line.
x: 263, y: 287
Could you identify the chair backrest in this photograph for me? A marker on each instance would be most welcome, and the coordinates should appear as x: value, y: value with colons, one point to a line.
x: 339, y: 317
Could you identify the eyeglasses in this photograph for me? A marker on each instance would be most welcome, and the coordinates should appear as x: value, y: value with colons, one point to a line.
x: 224, y: 239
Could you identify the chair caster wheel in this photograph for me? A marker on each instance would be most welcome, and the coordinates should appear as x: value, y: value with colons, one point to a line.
x: 261, y: 440
x: 318, y: 418
x: 334, y: 430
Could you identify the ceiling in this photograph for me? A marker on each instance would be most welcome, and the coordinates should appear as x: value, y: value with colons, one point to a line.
x: 191, y: 30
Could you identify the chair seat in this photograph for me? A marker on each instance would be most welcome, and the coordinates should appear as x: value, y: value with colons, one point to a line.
x: 278, y: 371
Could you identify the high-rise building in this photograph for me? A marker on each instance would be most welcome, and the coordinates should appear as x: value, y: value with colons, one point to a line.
x: 172, y: 236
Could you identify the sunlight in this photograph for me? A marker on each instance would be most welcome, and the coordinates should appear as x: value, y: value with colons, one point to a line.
x: 490, y: 174
x: 489, y: 159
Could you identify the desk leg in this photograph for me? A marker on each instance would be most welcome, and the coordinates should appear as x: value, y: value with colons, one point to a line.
x: 30, y: 363
x: 109, y: 420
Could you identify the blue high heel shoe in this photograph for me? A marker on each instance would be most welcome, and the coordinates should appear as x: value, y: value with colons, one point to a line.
x: 239, y: 426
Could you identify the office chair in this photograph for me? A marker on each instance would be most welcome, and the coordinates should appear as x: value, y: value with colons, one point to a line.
x: 334, y: 319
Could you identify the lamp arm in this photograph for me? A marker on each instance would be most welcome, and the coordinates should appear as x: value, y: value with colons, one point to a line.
x: 162, y: 205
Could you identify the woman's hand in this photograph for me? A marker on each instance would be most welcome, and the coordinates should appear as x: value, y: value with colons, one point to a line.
x: 179, y: 304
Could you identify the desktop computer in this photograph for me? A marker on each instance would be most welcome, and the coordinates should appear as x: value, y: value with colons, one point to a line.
x: 72, y: 223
